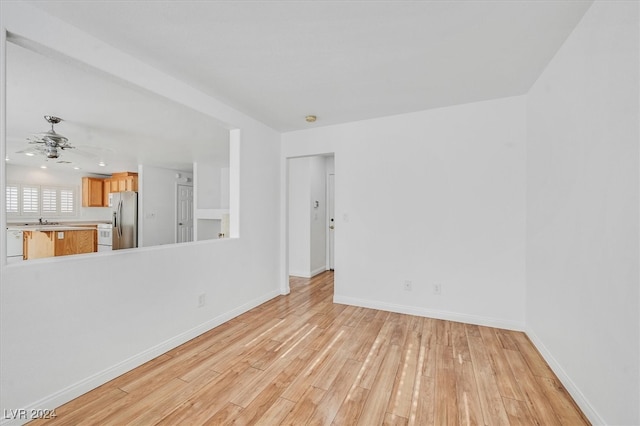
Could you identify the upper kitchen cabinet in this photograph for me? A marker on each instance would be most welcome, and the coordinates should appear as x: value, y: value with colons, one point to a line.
x: 125, y: 181
x: 93, y: 192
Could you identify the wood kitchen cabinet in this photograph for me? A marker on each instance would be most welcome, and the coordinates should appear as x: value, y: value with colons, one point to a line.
x: 106, y: 190
x: 125, y: 181
x: 39, y: 244
x: 93, y: 192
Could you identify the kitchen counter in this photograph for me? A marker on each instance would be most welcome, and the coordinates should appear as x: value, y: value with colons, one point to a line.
x: 43, y: 228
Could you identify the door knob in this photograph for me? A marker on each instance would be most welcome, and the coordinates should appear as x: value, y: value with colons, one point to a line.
x: 331, y: 227
x: 179, y: 223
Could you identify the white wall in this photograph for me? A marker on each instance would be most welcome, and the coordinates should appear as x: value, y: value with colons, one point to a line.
x: 71, y: 324
x: 21, y: 174
x: 317, y: 215
x: 299, y: 225
x: 207, y: 186
x: 157, y: 205
x: 582, y: 213
x: 435, y: 197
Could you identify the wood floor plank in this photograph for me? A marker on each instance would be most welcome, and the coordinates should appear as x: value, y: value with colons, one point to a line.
x: 375, y: 357
x: 518, y: 412
x: 446, y: 401
x: 394, y: 420
x: 135, y: 406
x: 468, y: 402
x: 563, y: 406
x: 275, y: 413
x: 505, y: 379
x: 158, y: 411
x: 337, y: 391
x: 81, y: 409
x: 305, y: 407
x: 302, y: 359
x: 536, y: 363
x: 205, y: 403
x: 488, y: 392
x: 400, y: 403
x: 289, y: 366
x: 536, y: 400
x: 351, y: 408
x: 423, y: 406
x: 378, y: 400
x: 270, y: 394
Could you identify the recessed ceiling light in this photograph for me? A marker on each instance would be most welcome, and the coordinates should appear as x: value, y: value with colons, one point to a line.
x: 6, y: 159
x: 310, y: 118
x: 30, y: 154
x: 43, y: 167
x: 76, y: 168
x: 102, y: 164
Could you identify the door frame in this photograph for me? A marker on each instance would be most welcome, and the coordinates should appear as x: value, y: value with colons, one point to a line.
x: 284, y: 221
x: 177, y: 207
x: 330, y: 255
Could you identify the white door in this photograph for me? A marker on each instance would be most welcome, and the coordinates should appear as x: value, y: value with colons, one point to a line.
x: 184, y: 227
x: 331, y: 216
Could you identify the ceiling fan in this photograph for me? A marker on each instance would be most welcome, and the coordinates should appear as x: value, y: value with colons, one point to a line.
x: 49, y: 143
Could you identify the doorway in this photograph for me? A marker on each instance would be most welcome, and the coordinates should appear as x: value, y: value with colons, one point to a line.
x: 310, y: 220
x: 184, y: 216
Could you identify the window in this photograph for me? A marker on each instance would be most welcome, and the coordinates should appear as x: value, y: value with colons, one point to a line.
x: 12, y: 199
x: 49, y: 204
x: 40, y: 201
x: 30, y: 202
x: 67, y: 201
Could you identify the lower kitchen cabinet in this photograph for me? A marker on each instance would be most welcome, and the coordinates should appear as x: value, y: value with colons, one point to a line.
x: 39, y: 244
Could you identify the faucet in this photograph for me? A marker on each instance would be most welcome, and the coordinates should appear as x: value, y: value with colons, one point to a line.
x: 43, y: 223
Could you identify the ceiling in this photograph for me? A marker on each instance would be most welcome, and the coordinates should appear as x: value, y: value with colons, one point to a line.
x: 104, y: 120
x: 278, y: 61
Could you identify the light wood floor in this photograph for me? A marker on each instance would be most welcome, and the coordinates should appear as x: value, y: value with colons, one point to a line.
x: 301, y: 359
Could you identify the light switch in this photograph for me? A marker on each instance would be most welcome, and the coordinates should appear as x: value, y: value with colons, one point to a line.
x: 61, y: 235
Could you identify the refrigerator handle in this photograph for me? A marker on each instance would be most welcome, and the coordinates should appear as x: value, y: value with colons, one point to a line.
x: 120, y: 214
x: 115, y: 219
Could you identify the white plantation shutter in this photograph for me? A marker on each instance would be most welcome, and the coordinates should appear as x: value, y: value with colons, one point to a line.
x: 11, y: 200
x: 67, y: 201
x: 49, y: 201
x: 35, y: 201
x: 30, y: 200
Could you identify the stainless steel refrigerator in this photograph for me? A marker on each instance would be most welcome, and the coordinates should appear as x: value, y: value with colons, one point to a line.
x: 124, y: 218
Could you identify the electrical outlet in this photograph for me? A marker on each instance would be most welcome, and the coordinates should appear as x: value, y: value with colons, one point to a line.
x: 202, y: 300
x: 408, y: 285
x: 437, y: 289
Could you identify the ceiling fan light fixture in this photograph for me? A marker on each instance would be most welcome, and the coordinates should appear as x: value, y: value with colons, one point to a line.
x: 52, y: 152
x: 48, y: 142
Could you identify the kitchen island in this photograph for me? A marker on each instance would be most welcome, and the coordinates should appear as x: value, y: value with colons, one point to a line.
x: 48, y: 241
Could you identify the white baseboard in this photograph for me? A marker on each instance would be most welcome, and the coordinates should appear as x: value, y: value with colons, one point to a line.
x: 75, y: 390
x: 318, y: 271
x: 566, y: 381
x: 430, y: 313
x: 306, y: 274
